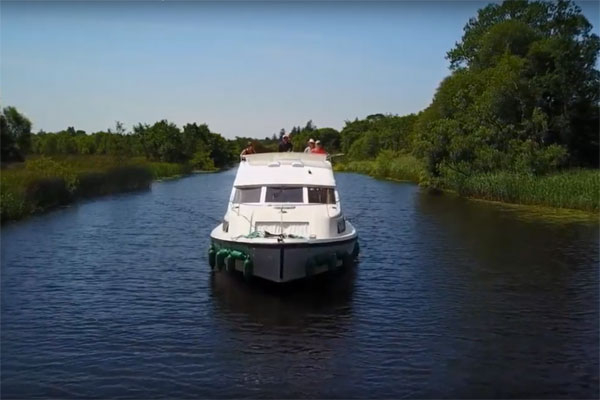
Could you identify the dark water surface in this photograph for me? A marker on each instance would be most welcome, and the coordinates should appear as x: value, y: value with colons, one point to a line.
x: 451, y: 298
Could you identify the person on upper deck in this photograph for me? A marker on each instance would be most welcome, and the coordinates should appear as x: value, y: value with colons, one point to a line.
x: 285, y: 145
x: 318, y: 148
x: 248, y: 150
x: 311, y: 145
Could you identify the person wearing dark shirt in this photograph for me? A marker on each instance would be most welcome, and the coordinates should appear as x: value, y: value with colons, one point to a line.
x: 285, y: 145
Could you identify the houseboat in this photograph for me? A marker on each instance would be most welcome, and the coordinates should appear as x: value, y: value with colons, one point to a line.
x: 284, y: 220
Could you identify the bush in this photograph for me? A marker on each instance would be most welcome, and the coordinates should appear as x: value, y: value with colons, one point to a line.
x: 44, y: 167
x: 402, y: 167
x: 576, y: 189
x: 120, y: 179
x: 44, y: 183
x: 47, y: 193
x: 12, y: 204
x: 202, y: 162
x: 164, y: 169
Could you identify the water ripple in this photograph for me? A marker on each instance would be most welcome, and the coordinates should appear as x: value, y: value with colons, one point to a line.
x: 451, y: 298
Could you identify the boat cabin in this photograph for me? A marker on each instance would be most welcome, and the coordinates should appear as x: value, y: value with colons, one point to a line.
x: 289, y: 194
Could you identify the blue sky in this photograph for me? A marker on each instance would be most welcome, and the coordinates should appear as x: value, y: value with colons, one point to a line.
x: 245, y: 69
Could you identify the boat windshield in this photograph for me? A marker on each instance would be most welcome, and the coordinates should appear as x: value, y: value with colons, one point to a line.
x: 247, y: 195
x: 284, y: 195
x: 321, y: 195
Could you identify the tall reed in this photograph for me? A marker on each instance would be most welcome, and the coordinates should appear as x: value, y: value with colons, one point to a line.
x: 42, y: 183
x: 575, y: 189
x: 403, y: 167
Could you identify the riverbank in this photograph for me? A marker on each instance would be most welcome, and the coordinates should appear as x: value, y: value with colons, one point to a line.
x: 43, y: 183
x: 577, y: 189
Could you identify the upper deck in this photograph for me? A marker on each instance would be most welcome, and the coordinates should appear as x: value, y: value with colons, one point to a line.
x: 285, y: 169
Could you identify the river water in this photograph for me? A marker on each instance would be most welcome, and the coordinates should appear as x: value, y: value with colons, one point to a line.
x: 450, y: 298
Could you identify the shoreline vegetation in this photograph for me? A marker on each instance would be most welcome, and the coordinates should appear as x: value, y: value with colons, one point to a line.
x: 42, y: 183
x: 517, y: 120
x: 574, y: 189
x: 46, y: 170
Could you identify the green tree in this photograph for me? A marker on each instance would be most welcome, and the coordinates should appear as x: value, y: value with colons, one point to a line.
x: 310, y: 126
x: 367, y: 146
x: 222, y: 152
x: 161, y: 141
x: 195, y: 139
x: 365, y: 138
x: 15, y: 130
x: 557, y: 53
x: 328, y: 136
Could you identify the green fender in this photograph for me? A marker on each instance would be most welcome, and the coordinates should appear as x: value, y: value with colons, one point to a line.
x: 220, y: 258
x: 248, y: 268
x: 212, y: 257
x: 238, y: 255
x: 229, y: 263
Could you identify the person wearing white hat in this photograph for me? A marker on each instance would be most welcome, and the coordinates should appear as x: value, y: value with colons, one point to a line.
x: 311, y: 145
x: 318, y: 148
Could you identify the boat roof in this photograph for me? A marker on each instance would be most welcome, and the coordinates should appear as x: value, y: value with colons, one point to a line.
x: 285, y: 169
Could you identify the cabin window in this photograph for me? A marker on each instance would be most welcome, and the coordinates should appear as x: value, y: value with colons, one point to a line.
x: 321, y: 195
x: 247, y: 195
x: 284, y: 195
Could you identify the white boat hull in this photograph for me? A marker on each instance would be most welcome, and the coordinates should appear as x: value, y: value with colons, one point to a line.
x: 285, y: 262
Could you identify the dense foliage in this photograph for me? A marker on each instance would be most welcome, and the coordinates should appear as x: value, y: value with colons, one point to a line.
x: 523, y: 95
x: 522, y: 98
x: 520, y: 105
x: 15, y: 132
x: 162, y: 141
x: 518, y: 112
x: 42, y: 183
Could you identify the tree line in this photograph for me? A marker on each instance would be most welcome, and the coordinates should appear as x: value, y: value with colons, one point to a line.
x: 162, y: 141
x: 523, y: 96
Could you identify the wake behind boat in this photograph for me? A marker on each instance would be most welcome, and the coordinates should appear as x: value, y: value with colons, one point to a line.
x: 284, y: 220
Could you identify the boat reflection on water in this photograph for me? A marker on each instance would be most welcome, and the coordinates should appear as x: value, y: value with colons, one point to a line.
x: 323, y: 303
x: 283, y: 338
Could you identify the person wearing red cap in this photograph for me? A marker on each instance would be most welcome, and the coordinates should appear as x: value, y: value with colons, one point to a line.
x: 318, y: 148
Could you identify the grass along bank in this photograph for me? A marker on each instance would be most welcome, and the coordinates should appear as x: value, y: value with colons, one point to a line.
x: 572, y: 189
x: 402, y: 167
x: 43, y: 183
